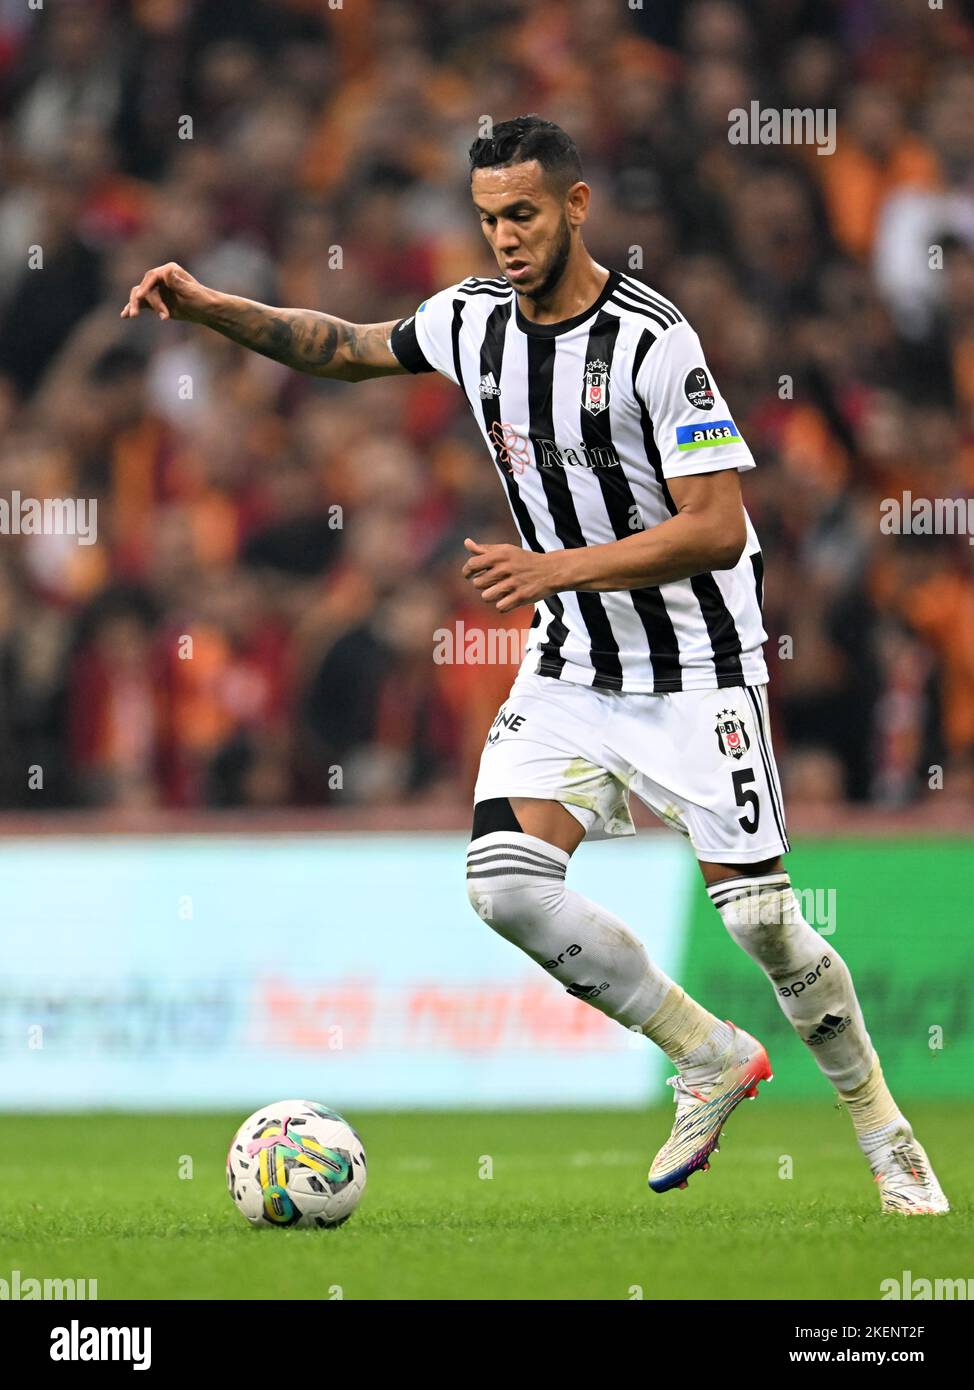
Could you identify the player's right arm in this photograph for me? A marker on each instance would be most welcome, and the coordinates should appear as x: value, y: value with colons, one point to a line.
x: 300, y: 338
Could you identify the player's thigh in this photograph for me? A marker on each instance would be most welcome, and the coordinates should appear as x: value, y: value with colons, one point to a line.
x: 718, y: 873
x: 543, y: 755
x: 545, y: 820
x: 549, y: 821
x: 705, y: 765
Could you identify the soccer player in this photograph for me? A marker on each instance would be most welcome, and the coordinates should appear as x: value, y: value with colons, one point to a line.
x: 644, y: 669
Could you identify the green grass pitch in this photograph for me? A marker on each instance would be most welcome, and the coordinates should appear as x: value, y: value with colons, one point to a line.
x: 566, y: 1214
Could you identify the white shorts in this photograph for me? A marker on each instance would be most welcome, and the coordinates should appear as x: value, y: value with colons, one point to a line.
x: 700, y: 759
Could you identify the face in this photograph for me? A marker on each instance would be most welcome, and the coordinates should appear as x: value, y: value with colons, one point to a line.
x: 529, y: 225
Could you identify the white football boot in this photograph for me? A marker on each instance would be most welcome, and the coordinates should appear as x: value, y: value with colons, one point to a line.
x: 704, y: 1100
x: 907, y: 1182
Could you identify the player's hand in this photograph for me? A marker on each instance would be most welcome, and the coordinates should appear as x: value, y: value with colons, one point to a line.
x: 169, y: 291
x: 509, y: 577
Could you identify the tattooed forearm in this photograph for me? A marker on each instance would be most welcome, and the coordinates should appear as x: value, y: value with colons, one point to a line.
x: 305, y: 340
x: 298, y: 338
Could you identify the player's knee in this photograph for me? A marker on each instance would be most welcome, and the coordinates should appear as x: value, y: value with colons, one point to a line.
x: 514, y: 881
x: 766, y: 920
x: 762, y: 915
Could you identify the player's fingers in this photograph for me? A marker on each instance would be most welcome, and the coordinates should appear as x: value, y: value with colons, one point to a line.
x: 135, y: 302
x: 479, y: 564
x: 482, y: 567
x: 499, y: 589
x: 512, y: 601
x: 476, y: 562
x: 148, y: 292
x: 492, y: 575
x: 151, y: 294
x: 474, y: 546
x: 155, y: 301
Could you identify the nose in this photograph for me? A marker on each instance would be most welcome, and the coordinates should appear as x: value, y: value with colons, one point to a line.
x: 507, y: 237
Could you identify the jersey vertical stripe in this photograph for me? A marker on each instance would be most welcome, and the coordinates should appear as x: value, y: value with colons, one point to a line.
x: 455, y: 340
x: 757, y: 564
x: 491, y: 360
x: 624, y: 515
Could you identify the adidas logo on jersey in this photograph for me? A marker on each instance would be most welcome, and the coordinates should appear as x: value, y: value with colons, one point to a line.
x: 488, y: 386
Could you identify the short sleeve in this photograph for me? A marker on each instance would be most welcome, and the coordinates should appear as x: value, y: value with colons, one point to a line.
x: 423, y: 342
x: 694, y: 429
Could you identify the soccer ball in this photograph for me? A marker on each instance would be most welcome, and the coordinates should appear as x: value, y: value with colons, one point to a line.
x: 296, y: 1163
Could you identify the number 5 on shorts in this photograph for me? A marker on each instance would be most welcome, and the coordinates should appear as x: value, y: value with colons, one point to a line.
x: 746, y: 798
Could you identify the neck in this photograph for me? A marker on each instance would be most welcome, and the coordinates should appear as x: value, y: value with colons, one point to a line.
x: 580, y: 286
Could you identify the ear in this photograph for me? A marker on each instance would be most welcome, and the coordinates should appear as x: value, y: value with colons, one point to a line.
x: 576, y: 203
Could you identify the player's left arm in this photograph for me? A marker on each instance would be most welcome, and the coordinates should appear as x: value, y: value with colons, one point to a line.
x: 707, y: 533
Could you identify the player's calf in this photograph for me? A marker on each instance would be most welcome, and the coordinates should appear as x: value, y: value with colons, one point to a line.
x: 811, y: 980
x: 516, y: 883
x: 814, y: 989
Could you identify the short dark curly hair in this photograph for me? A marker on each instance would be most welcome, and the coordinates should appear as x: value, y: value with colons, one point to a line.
x: 529, y: 137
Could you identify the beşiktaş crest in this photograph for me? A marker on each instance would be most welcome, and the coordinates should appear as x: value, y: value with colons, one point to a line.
x: 595, y: 392
x: 732, y: 736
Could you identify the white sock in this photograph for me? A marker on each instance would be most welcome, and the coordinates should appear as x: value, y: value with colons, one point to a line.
x: 811, y: 980
x: 516, y: 883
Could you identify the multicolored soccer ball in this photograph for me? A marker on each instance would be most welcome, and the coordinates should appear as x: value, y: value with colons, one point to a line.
x: 296, y: 1163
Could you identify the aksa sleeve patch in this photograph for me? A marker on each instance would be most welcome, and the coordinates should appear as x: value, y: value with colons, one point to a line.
x: 707, y: 436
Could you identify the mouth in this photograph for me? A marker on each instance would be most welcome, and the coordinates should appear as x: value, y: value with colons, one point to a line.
x: 516, y: 270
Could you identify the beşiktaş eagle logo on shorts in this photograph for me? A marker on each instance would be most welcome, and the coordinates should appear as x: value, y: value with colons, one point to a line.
x: 506, y: 721
x: 510, y: 447
x: 732, y: 736
x: 595, y: 392
x: 698, y: 390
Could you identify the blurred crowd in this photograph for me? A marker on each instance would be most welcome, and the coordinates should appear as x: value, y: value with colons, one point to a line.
x: 255, y: 625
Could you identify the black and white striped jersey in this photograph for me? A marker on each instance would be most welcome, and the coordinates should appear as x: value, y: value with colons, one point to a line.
x: 586, y: 420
